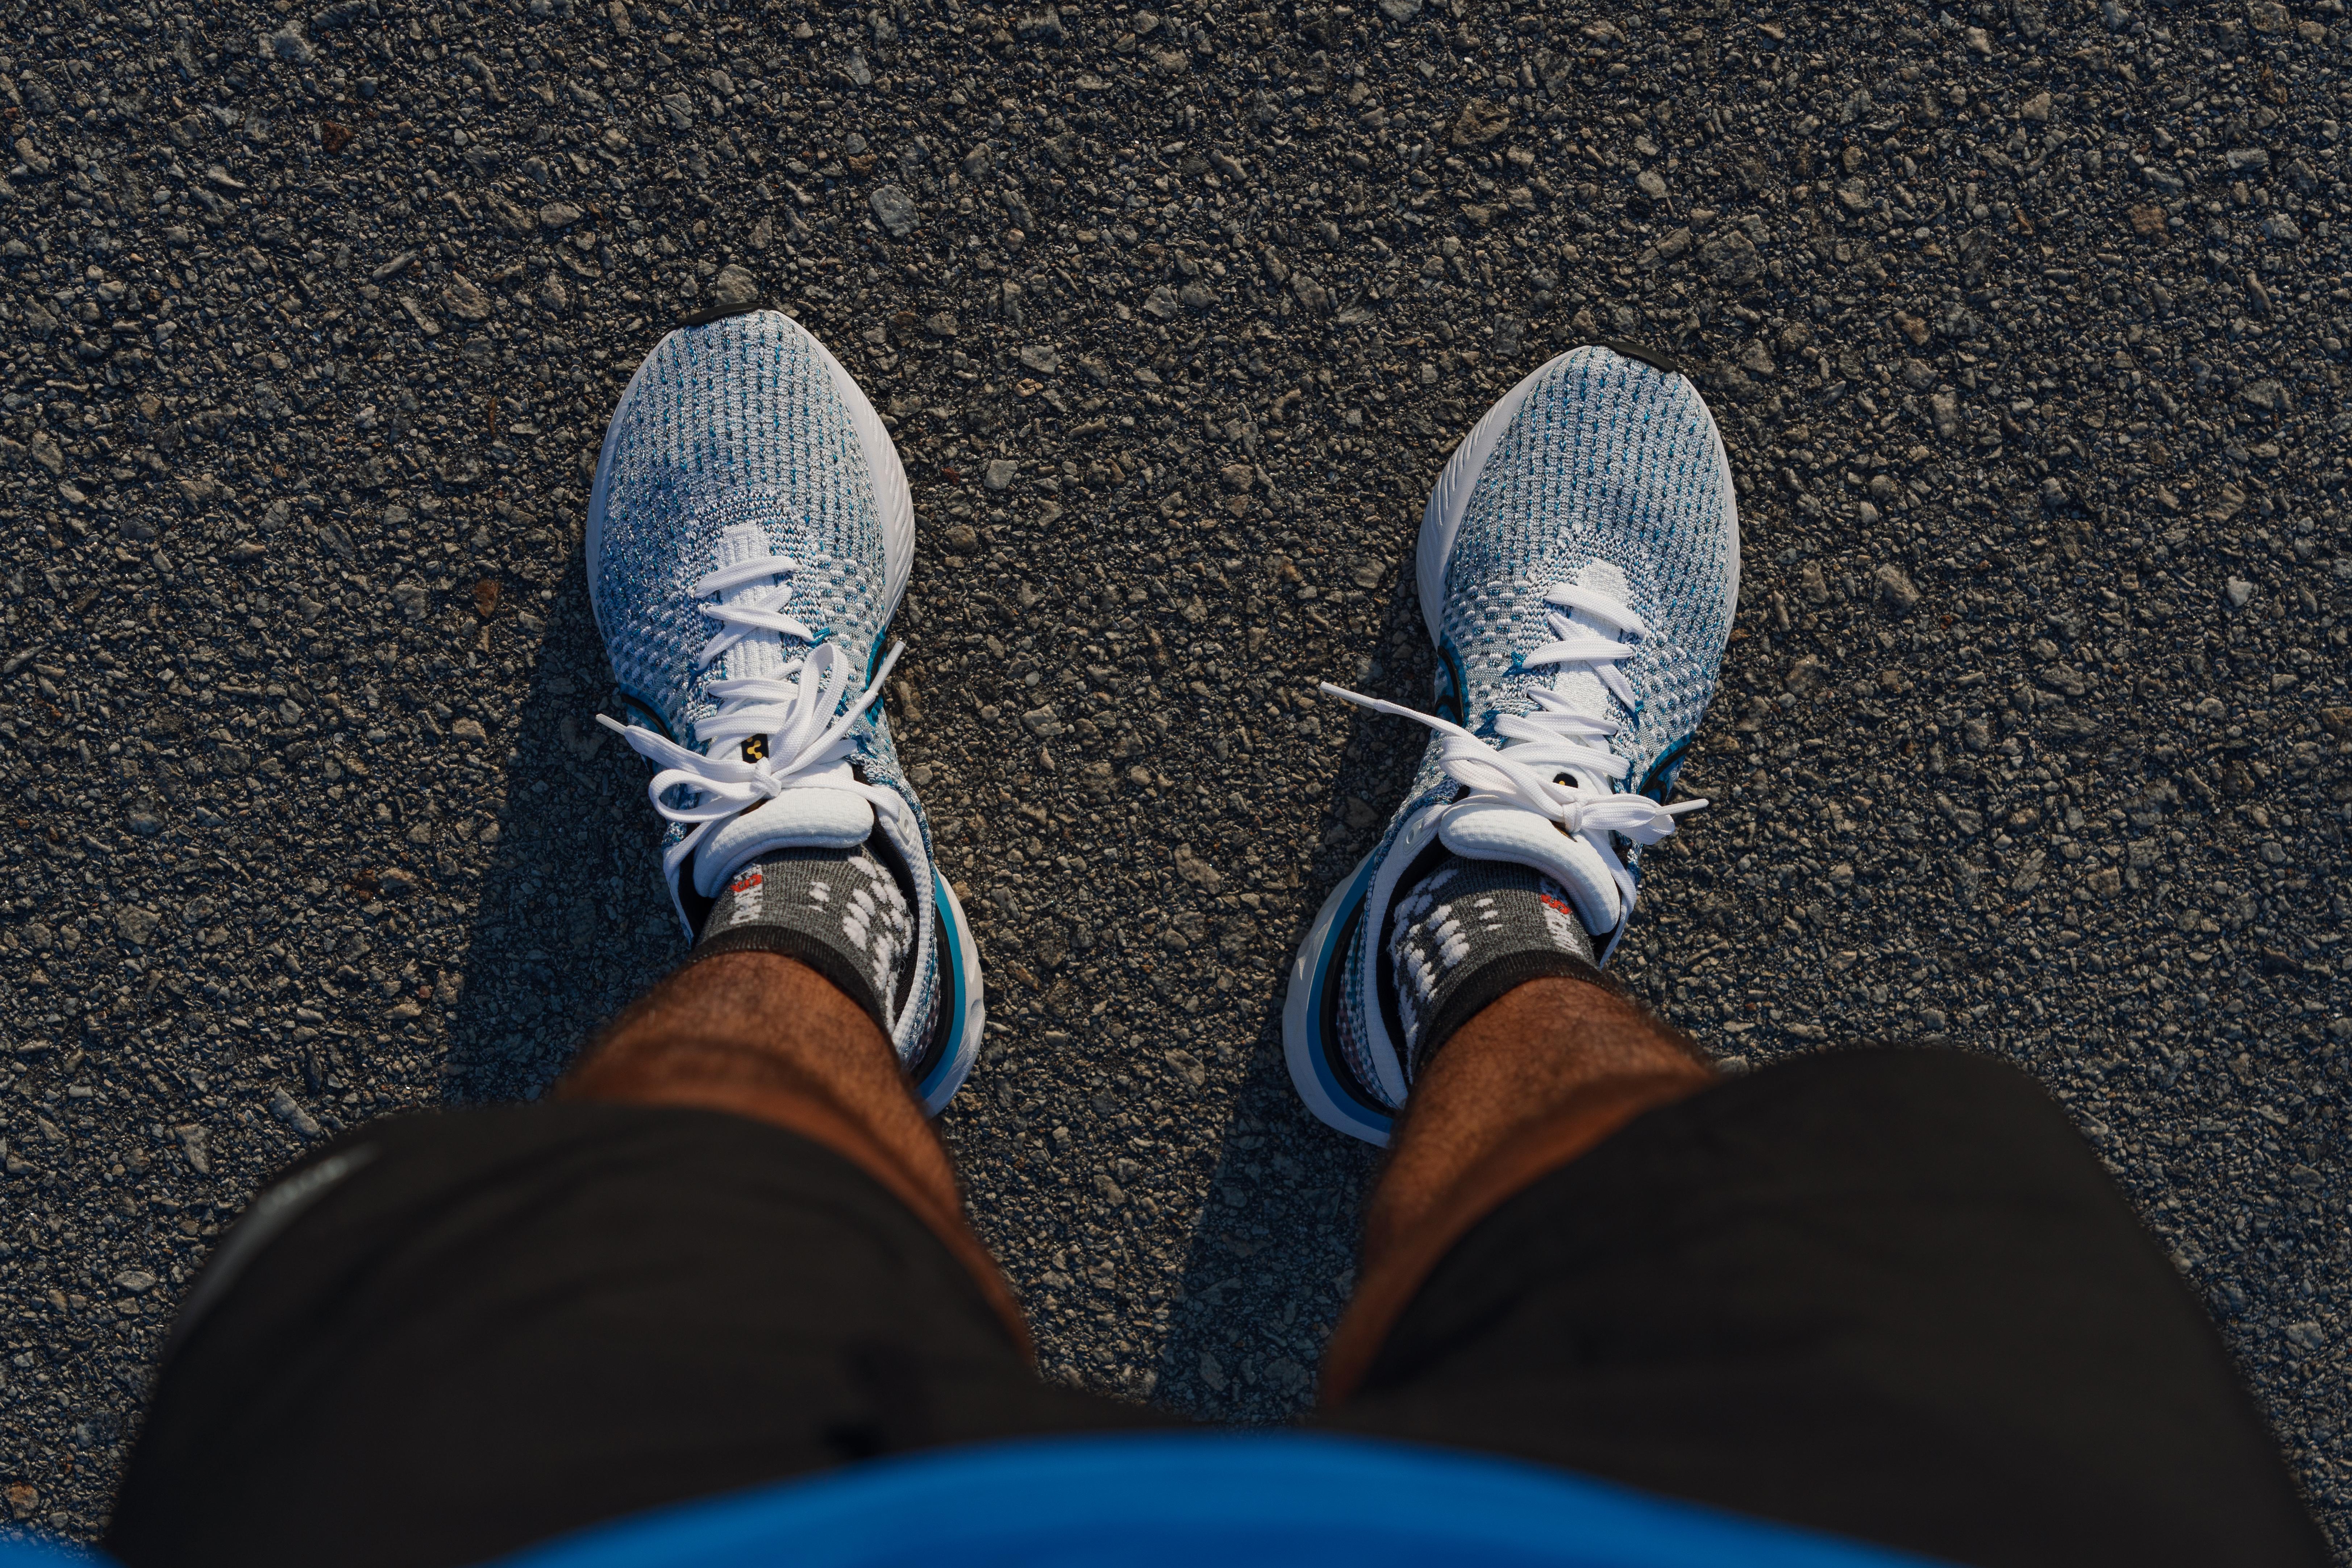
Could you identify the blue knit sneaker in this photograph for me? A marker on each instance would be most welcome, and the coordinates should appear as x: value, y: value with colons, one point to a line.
x: 1578, y: 567
x: 749, y: 536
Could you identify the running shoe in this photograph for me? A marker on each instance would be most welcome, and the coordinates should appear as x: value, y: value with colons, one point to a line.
x: 1578, y: 567
x: 750, y: 535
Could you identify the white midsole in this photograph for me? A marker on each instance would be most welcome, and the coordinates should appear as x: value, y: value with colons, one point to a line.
x: 1449, y: 498
x: 894, y: 502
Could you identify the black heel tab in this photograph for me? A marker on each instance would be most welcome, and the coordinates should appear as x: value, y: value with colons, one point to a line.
x: 721, y: 313
x: 1650, y: 357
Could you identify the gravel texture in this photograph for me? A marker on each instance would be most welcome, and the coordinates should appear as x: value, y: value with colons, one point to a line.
x: 2025, y: 324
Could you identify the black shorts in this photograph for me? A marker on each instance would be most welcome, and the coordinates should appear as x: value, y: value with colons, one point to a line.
x: 1886, y: 1294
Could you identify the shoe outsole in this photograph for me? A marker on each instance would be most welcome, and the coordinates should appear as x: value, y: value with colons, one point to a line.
x: 963, y: 1008
x: 1309, y: 1018
x: 1310, y: 1046
x: 964, y: 1012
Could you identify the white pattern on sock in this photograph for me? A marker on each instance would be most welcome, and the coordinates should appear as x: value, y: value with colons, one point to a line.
x: 1446, y: 932
x: 1433, y: 940
x: 749, y: 888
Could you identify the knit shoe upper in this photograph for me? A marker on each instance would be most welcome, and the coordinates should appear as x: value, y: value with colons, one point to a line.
x: 748, y: 537
x: 1580, y: 566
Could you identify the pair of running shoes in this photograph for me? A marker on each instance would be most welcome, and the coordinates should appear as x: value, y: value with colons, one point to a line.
x: 750, y: 532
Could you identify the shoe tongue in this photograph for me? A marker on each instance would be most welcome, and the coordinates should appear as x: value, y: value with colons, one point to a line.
x: 811, y: 818
x: 1575, y: 682
x: 760, y: 655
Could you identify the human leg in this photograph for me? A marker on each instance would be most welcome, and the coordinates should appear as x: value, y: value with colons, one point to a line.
x: 1537, y: 1077
x: 1889, y: 1294
x: 763, y: 1037
x: 478, y: 1328
x: 1577, y: 566
x: 728, y: 1249
x: 1886, y: 1293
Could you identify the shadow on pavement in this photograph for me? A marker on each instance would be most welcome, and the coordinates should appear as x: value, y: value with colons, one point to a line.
x: 572, y: 922
x: 1272, y: 1258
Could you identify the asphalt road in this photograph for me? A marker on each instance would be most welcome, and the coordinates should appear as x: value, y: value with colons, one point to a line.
x: 2025, y: 326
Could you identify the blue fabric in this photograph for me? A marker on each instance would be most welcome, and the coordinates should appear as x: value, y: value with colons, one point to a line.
x: 1198, y: 1500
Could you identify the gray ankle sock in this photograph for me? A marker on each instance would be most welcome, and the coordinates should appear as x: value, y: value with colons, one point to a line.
x: 839, y: 911
x: 1468, y: 933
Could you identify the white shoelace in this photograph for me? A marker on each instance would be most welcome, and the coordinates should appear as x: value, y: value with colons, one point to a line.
x: 1556, y: 738
x: 802, y: 746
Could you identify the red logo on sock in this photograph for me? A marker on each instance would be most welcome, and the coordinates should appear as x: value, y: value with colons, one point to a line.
x: 746, y: 882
